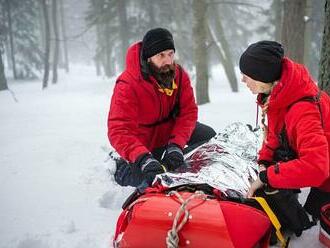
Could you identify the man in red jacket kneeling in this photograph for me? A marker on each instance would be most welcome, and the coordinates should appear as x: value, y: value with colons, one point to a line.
x: 153, y: 114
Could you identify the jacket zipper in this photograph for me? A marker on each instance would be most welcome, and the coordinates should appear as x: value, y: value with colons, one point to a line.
x: 160, y: 105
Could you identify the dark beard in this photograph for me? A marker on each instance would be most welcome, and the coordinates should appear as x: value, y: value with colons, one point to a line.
x: 164, y: 75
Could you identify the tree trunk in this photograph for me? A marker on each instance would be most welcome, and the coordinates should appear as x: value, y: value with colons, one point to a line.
x: 97, y: 57
x: 8, y: 54
x: 11, y: 39
x: 293, y: 29
x: 4, y: 33
x: 324, y: 73
x: 308, y: 33
x: 107, y: 49
x: 180, y: 28
x: 278, y: 9
x: 47, y: 44
x: 56, y: 43
x: 151, y: 13
x: 65, y: 46
x: 123, y: 29
x: 317, y: 26
x: 41, y: 18
x: 3, y: 80
x: 200, y: 54
x: 98, y: 67
x: 226, y: 56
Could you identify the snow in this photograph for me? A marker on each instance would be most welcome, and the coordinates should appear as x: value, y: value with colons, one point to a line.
x: 56, y: 188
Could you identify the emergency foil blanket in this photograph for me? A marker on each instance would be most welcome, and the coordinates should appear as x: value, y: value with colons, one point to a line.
x: 227, y: 162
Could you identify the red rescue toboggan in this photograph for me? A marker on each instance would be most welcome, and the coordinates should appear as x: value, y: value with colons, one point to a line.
x: 325, y: 225
x: 162, y: 217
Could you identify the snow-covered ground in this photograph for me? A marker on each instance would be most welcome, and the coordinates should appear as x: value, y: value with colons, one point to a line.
x: 55, y: 187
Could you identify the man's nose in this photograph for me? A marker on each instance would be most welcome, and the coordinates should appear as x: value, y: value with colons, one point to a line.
x: 167, y: 60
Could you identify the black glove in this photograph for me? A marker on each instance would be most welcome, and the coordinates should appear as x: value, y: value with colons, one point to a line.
x: 173, y: 157
x: 150, y: 167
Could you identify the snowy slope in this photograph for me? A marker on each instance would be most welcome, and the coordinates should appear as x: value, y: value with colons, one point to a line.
x: 55, y: 188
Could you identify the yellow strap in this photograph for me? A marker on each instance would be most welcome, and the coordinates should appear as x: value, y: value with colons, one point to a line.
x: 273, y: 219
x: 164, y: 168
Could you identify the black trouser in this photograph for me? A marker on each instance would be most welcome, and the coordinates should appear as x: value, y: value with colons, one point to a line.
x: 131, y: 175
x: 315, y: 200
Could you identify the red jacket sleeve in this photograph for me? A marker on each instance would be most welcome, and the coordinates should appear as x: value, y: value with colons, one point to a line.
x: 305, y: 132
x: 265, y: 153
x: 185, y: 122
x: 122, y: 124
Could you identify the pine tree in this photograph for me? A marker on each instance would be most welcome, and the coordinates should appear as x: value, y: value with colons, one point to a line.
x: 24, y: 31
x: 102, y: 15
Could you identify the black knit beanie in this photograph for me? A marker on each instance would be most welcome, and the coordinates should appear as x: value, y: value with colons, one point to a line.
x: 155, y: 41
x: 262, y: 61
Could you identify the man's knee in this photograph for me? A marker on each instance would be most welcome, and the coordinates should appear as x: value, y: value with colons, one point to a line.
x: 209, y: 132
x: 202, y: 133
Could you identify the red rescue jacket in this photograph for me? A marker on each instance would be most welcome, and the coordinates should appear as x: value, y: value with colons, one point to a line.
x: 136, y: 104
x: 305, y: 133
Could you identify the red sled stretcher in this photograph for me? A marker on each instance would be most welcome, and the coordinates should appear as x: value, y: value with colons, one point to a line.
x: 325, y: 225
x: 163, y: 217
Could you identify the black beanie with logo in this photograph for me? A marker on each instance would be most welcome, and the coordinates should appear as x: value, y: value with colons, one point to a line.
x: 262, y: 61
x: 155, y: 41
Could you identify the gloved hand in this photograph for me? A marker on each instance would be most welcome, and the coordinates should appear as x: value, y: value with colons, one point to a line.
x: 150, y: 167
x: 173, y: 157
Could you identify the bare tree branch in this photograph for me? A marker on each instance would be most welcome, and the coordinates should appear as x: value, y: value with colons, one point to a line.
x: 236, y: 3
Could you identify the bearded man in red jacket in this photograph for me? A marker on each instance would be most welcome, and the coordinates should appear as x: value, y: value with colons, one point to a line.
x: 295, y: 152
x: 153, y: 114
